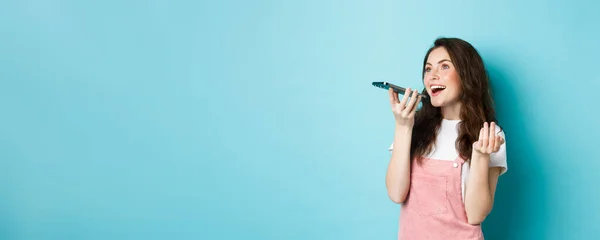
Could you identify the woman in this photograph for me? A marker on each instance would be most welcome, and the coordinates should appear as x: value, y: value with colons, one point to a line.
x: 446, y: 157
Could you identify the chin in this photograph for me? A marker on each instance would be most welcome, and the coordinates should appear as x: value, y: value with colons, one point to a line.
x: 436, y: 103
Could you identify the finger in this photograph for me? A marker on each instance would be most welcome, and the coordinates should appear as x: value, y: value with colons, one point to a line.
x: 485, y: 136
x: 414, y: 110
x: 498, y: 143
x: 492, y: 141
x: 395, y: 109
x: 479, y: 140
x: 405, y: 98
x: 392, y: 98
x: 477, y: 145
x: 413, y: 99
x: 480, y: 134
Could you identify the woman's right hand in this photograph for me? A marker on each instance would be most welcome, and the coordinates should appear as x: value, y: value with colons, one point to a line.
x: 404, y: 111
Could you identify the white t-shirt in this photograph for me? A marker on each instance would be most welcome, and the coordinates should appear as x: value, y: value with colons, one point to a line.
x: 444, y: 149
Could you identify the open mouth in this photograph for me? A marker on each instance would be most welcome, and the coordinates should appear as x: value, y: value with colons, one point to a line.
x: 437, y: 89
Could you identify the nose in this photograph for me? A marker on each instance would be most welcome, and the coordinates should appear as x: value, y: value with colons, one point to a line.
x: 433, y: 75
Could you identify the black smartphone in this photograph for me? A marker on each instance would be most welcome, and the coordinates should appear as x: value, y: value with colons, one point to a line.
x: 397, y: 89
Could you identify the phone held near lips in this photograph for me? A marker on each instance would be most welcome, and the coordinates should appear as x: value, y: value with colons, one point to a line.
x: 396, y: 88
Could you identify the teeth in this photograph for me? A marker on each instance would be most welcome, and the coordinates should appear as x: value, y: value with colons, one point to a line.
x: 437, y: 86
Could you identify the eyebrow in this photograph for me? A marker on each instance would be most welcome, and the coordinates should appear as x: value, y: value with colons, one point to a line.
x: 443, y: 60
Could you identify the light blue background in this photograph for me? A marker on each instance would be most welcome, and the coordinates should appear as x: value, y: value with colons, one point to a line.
x: 257, y: 120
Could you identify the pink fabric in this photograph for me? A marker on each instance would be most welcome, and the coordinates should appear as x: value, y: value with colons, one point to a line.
x: 434, y: 208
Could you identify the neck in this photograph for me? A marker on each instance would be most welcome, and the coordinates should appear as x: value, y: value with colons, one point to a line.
x: 451, y: 112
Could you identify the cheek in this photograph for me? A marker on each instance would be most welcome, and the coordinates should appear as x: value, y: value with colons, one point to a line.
x: 425, y: 80
x: 453, y: 78
x: 454, y: 81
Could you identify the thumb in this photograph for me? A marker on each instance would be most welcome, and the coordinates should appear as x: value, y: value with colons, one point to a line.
x: 477, y: 145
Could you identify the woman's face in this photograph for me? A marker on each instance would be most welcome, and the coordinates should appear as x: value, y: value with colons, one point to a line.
x: 441, y: 79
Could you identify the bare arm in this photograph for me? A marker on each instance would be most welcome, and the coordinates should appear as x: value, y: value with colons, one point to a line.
x: 482, y: 181
x: 480, y: 190
x: 397, y: 179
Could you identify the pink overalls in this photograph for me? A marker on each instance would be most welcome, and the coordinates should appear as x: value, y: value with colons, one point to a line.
x: 434, y: 208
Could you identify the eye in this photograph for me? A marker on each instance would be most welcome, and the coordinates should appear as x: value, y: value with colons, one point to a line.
x: 445, y: 66
x: 427, y: 69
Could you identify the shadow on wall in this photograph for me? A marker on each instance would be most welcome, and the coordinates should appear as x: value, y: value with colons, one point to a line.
x: 521, y: 191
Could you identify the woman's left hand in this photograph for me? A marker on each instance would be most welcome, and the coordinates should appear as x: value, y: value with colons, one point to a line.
x: 488, y: 142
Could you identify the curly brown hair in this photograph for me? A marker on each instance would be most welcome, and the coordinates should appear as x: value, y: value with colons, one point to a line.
x: 476, y: 98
